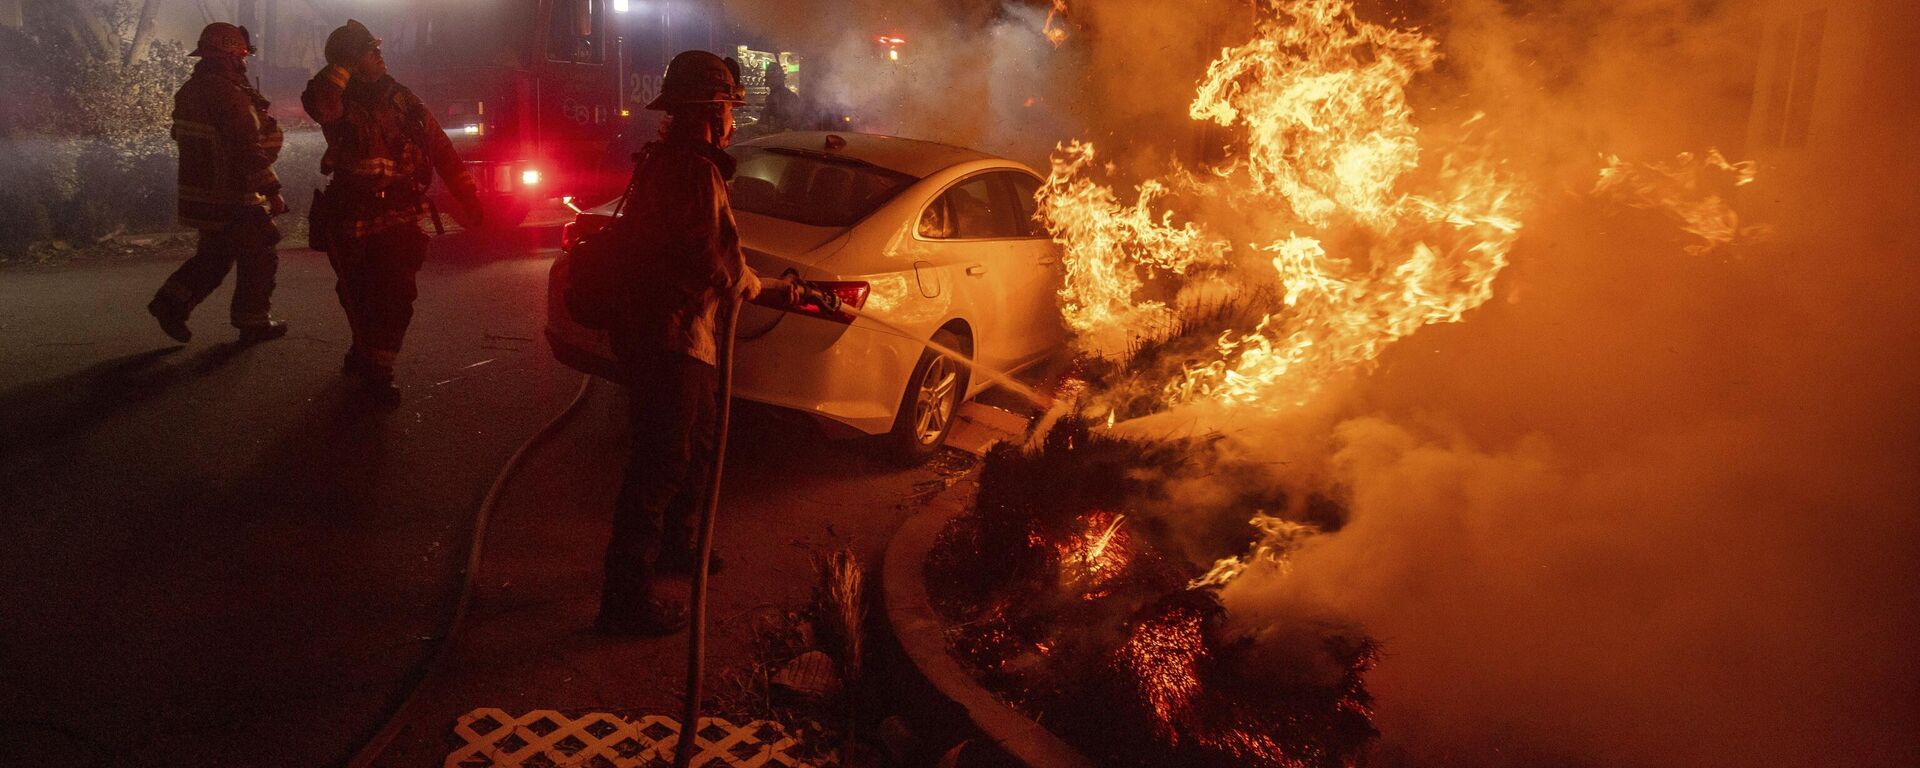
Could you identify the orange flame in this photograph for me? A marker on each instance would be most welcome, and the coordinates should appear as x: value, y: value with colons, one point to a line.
x: 1276, y: 545
x: 1329, y: 152
x: 1682, y: 190
x: 1055, y: 34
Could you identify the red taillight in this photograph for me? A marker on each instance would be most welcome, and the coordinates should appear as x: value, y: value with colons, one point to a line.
x: 852, y: 294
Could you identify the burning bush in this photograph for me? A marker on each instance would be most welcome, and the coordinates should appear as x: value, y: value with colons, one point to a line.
x: 1073, y: 597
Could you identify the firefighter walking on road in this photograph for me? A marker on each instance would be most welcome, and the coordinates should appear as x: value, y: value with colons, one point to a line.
x: 383, y: 148
x: 228, y: 190
x: 684, y: 263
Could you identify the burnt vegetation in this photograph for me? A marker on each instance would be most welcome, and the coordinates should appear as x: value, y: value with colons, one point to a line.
x: 1068, y: 589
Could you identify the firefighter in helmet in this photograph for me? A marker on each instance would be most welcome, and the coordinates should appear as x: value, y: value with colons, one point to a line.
x: 383, y: 149
x: 783, y: 111
x: 684, y: 264
x: 228, y: 190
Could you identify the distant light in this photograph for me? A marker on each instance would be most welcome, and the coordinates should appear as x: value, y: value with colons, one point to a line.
x: 619, y: 6
x: 530, y: 177
x: 471, y: 129
x: 893, y: 53
x: 625, y: 112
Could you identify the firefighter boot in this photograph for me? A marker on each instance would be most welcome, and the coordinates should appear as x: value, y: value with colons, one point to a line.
x: 681, y: 561
x: 267, y: 331
x: 380, y: 391
x: 638, y: 614
x: 173, y: 319
x: 376, y: 381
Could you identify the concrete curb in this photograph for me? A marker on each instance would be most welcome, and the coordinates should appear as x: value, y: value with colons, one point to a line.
x: 922, y: 634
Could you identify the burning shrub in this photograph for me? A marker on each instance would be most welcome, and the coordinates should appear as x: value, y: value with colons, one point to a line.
x: 1072, y: 596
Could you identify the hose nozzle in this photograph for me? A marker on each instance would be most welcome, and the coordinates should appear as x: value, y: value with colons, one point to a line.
x: 826, y: 300
x: 813, y: 298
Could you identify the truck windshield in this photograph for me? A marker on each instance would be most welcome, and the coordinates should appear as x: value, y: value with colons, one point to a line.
x: 803, y: 187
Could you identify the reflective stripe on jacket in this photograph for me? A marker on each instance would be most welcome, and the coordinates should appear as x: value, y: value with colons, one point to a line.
x: 228, y: 144
x: 383, y: 148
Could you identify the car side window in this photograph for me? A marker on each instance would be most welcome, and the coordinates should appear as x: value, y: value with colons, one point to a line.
x: 1025, y: 188
x: 975, y: 208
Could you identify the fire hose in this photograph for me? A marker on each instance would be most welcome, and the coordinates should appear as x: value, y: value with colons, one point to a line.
x: 697, y: 636
x: 437, y: 661
x: 709, y: 512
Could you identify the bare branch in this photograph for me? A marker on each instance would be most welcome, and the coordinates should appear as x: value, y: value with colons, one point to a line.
x: 90, y: 28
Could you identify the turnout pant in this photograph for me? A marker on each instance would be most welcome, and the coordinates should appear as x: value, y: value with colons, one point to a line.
x: 673, y: 416
x: 376, y: 287
x: 246, y: 242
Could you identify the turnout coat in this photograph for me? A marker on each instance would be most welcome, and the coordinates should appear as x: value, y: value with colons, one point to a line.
x: 228, y: 144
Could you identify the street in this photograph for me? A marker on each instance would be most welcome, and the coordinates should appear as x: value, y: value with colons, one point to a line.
x: 216, y: 556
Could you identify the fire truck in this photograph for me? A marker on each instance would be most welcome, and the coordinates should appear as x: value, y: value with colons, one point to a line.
x: 545, y: 99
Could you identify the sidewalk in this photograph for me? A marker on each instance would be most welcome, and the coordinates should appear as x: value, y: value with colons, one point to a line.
x: 526, y: 648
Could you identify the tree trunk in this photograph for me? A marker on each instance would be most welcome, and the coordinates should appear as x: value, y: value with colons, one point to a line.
x: 143, y: 32
x: 90, y: 29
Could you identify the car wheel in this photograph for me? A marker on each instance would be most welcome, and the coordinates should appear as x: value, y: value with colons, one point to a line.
x: 931, y: 403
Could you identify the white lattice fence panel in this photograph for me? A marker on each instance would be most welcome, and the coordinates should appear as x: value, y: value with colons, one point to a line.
x: 547, y: 739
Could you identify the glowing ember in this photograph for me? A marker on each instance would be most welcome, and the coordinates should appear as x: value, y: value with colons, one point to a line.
x: 1163, y: 655
x: 1328, y: 153
x: 1683, y: 189
x: 1092, y: 558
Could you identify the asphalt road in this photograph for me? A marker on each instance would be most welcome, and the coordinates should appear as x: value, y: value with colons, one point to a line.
x: 213, y: 555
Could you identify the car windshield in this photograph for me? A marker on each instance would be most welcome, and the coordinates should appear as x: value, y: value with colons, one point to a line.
x: 810, y: 188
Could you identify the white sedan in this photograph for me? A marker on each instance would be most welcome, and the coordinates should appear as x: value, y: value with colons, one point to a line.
x: 926, y: 241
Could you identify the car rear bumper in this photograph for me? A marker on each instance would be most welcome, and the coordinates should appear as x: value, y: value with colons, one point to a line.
x: 853, y: 376
x: 849, y: 374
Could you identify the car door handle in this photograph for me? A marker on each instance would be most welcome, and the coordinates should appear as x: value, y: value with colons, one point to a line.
x: 976, y: 270
x: 1048, y: 261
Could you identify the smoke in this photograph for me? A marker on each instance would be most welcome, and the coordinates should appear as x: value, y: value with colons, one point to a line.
x: 1646, y: 508
x: 982, y: 74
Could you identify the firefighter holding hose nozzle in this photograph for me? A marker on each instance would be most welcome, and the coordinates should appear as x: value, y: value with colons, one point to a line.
x: 682, y: 273
x: 383, y: 148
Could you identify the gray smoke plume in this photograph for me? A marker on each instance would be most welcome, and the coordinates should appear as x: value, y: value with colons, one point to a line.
x: 982, y: 73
